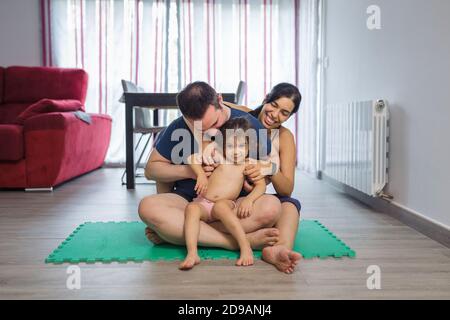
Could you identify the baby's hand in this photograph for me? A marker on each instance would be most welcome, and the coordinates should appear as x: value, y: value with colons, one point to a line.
x: 202, y: 184
x: 245, y: 208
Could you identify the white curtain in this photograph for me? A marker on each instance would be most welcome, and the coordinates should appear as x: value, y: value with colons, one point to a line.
x: 162, y: 45
x: 307, y: 119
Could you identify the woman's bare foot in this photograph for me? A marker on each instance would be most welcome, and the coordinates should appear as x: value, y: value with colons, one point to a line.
x: 153, y: 236
x: 282, y: 258
x: 246, y: 258
x: 189, y: 262
x: 263, y: 237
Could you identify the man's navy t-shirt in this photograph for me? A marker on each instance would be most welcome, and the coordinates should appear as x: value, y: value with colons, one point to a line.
x: 165, y: 145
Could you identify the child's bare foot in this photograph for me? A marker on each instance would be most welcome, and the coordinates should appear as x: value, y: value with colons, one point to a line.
x: 282, y: 258
x: 153, y: 236
x: 246, y: 258
x: 263, y: 237
x: 189, y: 262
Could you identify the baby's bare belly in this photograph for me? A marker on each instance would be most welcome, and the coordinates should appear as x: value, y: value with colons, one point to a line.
x: 224, y: 183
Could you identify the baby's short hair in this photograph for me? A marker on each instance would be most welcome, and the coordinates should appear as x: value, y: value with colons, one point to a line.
x: 239, y: 124
x: 236, y: 123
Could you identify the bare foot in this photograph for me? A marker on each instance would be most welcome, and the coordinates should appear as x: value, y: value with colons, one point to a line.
x: 263, y: 237
x: 189, y: 262
x: 282, y: 258
x: 246, y: 258
x: 153, y: 236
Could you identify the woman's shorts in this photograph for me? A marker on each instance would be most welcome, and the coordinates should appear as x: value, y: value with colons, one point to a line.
x: 295, y: 202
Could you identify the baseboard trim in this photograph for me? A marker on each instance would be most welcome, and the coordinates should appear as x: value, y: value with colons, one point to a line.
x: 432, y: 229
x: 39, y: 189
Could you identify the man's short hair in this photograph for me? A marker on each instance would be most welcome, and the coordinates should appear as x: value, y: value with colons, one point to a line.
x: 195, y: 99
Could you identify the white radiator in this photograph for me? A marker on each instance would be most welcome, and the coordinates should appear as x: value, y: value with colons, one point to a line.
x: 357, y: 145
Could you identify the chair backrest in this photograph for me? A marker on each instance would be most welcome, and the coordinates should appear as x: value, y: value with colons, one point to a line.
x: 241, y: 92
x: 129, y: 86
x: 142, y: 116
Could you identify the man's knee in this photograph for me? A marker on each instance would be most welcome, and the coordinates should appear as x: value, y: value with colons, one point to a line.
x: 193, y: 209
x: 149, y: 210
x: 270, y: 211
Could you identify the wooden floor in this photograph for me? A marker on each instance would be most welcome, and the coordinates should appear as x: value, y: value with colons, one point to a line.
x: 33, y: 224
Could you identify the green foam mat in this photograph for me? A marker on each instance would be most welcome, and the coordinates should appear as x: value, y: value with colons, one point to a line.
x: 126, y: 241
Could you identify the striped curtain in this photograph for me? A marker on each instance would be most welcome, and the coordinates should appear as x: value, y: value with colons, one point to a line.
x: 162, y: 45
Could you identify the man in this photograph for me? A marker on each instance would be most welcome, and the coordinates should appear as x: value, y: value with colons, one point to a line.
x: 164, y: 212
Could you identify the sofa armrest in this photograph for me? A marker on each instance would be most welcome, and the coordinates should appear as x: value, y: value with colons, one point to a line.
x: 59, y: 146
x: 59, y: 120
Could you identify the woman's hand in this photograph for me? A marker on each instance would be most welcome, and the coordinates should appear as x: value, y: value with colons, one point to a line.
x: 255, y: 172
x: 247, y: 186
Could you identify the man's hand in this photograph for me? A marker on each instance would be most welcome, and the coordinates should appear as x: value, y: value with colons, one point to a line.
x: 202, y: 184
x: 209, y: 154
x: 245, y: 208
x: 209, y: 169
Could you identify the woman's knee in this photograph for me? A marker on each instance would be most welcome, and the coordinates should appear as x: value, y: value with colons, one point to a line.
x: 292, y: 208
x: 270, y: 211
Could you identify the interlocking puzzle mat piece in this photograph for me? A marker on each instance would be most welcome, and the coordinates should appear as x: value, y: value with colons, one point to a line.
x: 125, y: 241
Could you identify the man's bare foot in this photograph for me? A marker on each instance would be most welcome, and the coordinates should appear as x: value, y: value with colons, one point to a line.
x: 263, y: 237
x: 153, y: 236
x: 282, y: 258
x: 189, y: 262
x: 246, y: 258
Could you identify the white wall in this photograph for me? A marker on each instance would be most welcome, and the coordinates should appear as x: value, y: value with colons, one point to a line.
x: 20, y: 33
x: 407, y: 62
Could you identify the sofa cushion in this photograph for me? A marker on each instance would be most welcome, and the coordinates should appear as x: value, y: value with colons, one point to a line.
x: 2, y: 71
x: 10, y: 111
x: 47, y: 106
x: 31, y: 84
x: 11, y: 142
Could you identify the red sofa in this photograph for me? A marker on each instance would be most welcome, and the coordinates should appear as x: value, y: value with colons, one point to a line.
x: 42, y: 142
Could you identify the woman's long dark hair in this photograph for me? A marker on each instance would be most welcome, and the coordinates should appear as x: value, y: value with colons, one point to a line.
x: 281, y: 90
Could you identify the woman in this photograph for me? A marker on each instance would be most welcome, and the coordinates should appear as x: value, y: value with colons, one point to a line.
x: 279, y: 105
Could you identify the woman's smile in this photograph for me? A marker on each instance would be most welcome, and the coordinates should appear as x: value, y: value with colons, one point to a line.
x: 268, y: 121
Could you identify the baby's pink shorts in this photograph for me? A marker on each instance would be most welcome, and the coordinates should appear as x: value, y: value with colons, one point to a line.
x: 208, y: 205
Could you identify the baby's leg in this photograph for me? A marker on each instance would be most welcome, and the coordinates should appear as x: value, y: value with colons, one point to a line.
x: 223, y: 210
x: 193, y: 214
